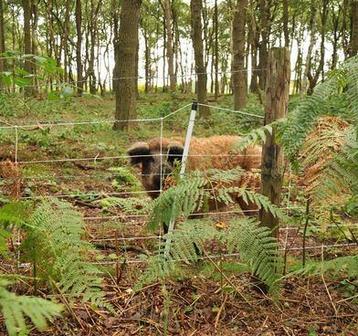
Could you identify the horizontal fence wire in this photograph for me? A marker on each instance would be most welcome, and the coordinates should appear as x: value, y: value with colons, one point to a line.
x: 38, y: 125
x: 155, y: 237
x: 103, y: 158
x: 232, y: 111
x: 97, y: 220
x: 224, y: 255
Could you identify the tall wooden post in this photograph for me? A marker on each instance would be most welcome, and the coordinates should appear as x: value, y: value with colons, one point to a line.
x: 276, y: 103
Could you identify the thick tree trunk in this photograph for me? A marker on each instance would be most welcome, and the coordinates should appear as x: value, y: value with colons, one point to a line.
x: 168, y: 21
x: 26, y: 4
x: 126, y: 63
x: 239, y: 74
x: 196, y: 7
x: 2, y: 39
x: 354, y: 34
x: 79, y: 47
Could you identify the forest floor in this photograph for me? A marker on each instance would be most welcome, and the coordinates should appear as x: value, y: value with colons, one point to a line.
x: 114, y: 207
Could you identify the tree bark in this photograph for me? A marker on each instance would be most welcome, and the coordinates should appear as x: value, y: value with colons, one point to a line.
x: 354, y: 34
x: 196, y: 7
x: 79, y: 47
x: 263, y: 54
x: 168, y: 22
x: 26, y: 5
x: 285, y: 23
x: 314, y: 77
x: 276, y: 105
x: 126, y: 63
x: 253, y: 38
x: 2, y: 39
x: 216, y: 50
x: 239, y: 74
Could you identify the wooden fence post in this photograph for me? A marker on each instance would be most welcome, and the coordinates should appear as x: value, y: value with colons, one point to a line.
x: 276, y: 103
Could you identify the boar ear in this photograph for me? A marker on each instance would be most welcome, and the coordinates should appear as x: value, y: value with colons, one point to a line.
x: 175, y: 152
x: 139, y: 153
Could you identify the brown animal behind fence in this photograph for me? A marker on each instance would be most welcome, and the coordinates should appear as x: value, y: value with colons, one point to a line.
x: 216, y: 152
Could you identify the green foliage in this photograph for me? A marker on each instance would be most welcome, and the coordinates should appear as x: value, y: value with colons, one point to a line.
x: 347, y: 265
x: 46, y: 68
x: 256, y: 136
x: 193, y: 193
x: 335, y: 96
x: 257, y: 248
x: 18, y: 309
x: 55, y: 246
x: 182, y: 200
x: 124, y: 178
x: 131, y: 205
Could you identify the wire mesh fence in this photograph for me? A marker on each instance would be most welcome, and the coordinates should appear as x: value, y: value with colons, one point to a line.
x: 121, y: 227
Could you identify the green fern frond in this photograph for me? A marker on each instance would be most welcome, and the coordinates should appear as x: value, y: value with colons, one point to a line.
x: 257, y: 248
x: 255, y: 245
x: 347, y: 265
x: 55, y: 244
x: 17, y: 309
x: 256, y: 136
x: 335, y: 96
x: 181, y: 200
x: 13, y: 214
x: 249, y: 197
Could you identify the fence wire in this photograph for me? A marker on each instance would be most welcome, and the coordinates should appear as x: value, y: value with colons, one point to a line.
x: 98, y: 220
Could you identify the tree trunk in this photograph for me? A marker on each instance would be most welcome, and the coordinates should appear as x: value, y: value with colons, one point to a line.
x: 314, y: 77
x: 354, y: 34
x: 216, y: 50
x: 125, y: 63
x: 79, y: 47
x: 146, y: 61
x: 263, y: 55
x: 2, y: 39
x: 253, y: 39
x: 168, y: 22
x: 26, y: 4
x: 276, y: 105
x: 196, y: 7
x: 285, y: 23
x: 239, y: 74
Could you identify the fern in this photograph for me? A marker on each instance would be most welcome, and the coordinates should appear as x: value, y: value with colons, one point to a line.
x: 336, y: 96
x: 183, y: 199
x: 257, y: 135
x: 257, y: 248
x: 54, y: 244
x: 248, y: 196
x: 193, y: 193
x: 13, y: 214
x: 347, y: 265
x: 16, y: 309
x: 255, y: 245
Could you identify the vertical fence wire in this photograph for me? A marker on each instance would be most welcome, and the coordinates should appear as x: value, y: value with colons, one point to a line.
x: 16, y: 160
x: 161, y: 174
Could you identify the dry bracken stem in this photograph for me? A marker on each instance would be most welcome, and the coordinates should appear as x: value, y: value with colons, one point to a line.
x: 326, y: 287
x: 226, y: 278
x: 304, y: 233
